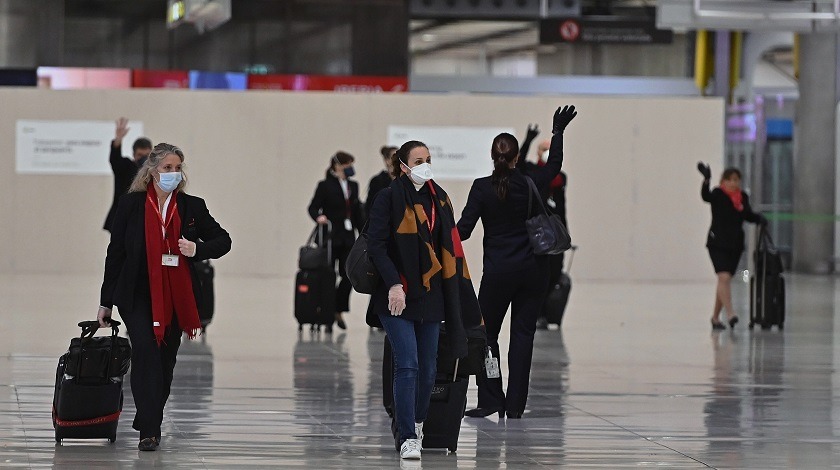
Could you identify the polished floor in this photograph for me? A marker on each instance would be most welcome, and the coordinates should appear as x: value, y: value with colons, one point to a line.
x: 635, y: 379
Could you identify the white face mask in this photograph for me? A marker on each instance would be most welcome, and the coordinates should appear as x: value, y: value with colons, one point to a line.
x: 169, y: 181
x: 544, y: 155
x: 420, y: 173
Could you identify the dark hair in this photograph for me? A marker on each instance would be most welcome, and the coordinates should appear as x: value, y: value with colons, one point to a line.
x: 402, y: 156
x: 340, y: 158
x: 504, y: 151
x: 141, y: 143
x: 730, y: 172
x: 386, y: 150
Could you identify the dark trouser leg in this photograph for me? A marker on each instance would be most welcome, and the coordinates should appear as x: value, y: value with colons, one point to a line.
x: 494, y: 297
x: 151, y: 367
x: 404, y: 345
x: 527, y: 304
x: 342, y: 293
x: 427, y: 335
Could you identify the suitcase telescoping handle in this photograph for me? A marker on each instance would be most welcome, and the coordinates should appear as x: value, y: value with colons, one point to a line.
x: 572, y: 251
x: 88, y: 330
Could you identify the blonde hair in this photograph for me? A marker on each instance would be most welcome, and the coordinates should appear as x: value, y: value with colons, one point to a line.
x: 144, y: 175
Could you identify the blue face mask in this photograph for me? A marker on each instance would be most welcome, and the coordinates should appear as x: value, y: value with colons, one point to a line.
x: 349, y: 171
x: 169, y: 181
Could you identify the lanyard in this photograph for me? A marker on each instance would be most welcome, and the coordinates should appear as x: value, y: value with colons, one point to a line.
x: 431, y: 222
x: 164, y: 225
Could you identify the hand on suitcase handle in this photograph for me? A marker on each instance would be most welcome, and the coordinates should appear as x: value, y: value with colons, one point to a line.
x: 396, y: 300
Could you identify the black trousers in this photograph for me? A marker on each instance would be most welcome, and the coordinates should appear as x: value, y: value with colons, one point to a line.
x: 152, y: 366
x: 342, y: 293
x: 524, y: 291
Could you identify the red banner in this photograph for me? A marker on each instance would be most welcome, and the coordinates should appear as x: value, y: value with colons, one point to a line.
x: 160, y: 79
x: 349, y: 83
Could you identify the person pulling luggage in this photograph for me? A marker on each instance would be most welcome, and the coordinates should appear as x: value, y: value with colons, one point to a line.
x: 725, y: 240
x: 157, y: 232
x: 413, y: 242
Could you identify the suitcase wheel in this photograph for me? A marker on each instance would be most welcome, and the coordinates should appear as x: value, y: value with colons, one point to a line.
x: 781, y: 326
x: 752, y: 324
x: 112, y: 439
x: 57, y: 440
x: 766, y: 326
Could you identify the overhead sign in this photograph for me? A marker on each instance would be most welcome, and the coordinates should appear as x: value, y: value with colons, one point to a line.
x: 603, y: 30
x: 350, y: 83
x: 68, y: 147
x: 458, y: 153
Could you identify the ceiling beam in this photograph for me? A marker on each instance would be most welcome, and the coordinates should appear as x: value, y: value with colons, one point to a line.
x: 473, y: 40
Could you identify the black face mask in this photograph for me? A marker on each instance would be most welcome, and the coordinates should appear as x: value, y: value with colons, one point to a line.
x: 349, y: 171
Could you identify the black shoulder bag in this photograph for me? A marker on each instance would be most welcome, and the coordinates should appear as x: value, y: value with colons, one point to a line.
x: 360, y: 269
x: 546, y: 231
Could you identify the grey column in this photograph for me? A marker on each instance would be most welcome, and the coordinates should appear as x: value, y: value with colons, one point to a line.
x: 814, y: 157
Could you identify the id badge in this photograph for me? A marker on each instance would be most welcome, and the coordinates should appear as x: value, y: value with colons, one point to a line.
x: 170, y: 260
x: 348, y: 225
x: 491, y: 365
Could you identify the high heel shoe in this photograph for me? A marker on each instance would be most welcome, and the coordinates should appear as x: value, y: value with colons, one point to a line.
x: 716, y: 325
x: 483, y: 412
x: 733, y: 321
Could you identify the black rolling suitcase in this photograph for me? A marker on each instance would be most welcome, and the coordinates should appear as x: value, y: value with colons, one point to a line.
x: 88, y: 395
x: 207, y: 297
x: 315, y: 283
x: 767, y: 285
x: 558, y: 294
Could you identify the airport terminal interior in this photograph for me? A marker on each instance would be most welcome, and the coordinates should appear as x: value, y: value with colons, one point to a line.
x: 267, y: 98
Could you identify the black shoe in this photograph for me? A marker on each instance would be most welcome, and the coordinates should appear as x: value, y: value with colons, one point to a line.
x: 148, y: 444
x: 340, y: 323
x: 542, y: 323
x: 733, y: 321
x: 716, y: 325
x: 514, y: 414
x: 483, y: 412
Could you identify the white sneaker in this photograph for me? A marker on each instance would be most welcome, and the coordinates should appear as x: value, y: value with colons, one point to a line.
x: 418, y: 430
x: 410, y: 449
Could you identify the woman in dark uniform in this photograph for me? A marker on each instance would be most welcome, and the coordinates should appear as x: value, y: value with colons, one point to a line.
x: 513, y: 276
x: 157, y: 234
x: 336, y: 201
x: 725, y: 241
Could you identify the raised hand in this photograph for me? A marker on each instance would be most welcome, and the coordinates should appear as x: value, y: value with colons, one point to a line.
x: 532, y: 132
x: 122, y: 130
x: 704, y: 170
x: 562, y: 117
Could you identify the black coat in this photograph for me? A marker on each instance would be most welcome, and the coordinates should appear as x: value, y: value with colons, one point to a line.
x: 126, y: 271
x: 727, y: 230
x: 124, y: 169
x: 377, y: 183
x: 382, y: 249
x: 329, y: 201
x: 507, y: 247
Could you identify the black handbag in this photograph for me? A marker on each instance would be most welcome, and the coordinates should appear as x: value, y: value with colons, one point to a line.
x: 360, y: 269
x: 93, y: 359
x: 315, y: 256
x: 546, y: 231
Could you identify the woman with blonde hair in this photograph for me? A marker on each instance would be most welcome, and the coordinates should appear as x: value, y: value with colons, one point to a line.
x: 157, y: 231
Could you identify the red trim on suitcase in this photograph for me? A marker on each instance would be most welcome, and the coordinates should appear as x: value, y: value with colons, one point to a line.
x: 85, y: 422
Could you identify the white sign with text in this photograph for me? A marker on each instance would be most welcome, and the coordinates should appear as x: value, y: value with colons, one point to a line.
x: 458, y: 153
x: 68, y: 147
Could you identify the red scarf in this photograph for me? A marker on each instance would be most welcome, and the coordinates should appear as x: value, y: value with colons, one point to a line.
x: 171, y: 286
x: 557, y: 182
x: 737, y: 198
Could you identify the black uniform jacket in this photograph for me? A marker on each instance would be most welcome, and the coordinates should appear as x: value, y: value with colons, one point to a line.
x: 377, y: 183
x: 329, y: 200
x: 125, y: 169
x: 727, y: 230
x: 126, y: 270
x: 507, y: 247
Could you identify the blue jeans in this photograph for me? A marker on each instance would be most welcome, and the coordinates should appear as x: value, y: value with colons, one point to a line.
x: 415, y: 347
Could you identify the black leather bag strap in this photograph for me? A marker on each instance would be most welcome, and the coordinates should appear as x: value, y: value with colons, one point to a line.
x: 534, y: 191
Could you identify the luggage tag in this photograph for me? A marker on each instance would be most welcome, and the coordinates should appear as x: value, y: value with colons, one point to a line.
x: 491, y: 365
x: 348, y: 225
x: 170, y: 260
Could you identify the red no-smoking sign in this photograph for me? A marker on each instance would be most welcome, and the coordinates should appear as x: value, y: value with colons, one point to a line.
x: 570, y: 30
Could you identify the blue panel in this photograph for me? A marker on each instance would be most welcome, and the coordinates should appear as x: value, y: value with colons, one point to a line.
x: 779, y: 129
x: 218, y: 80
